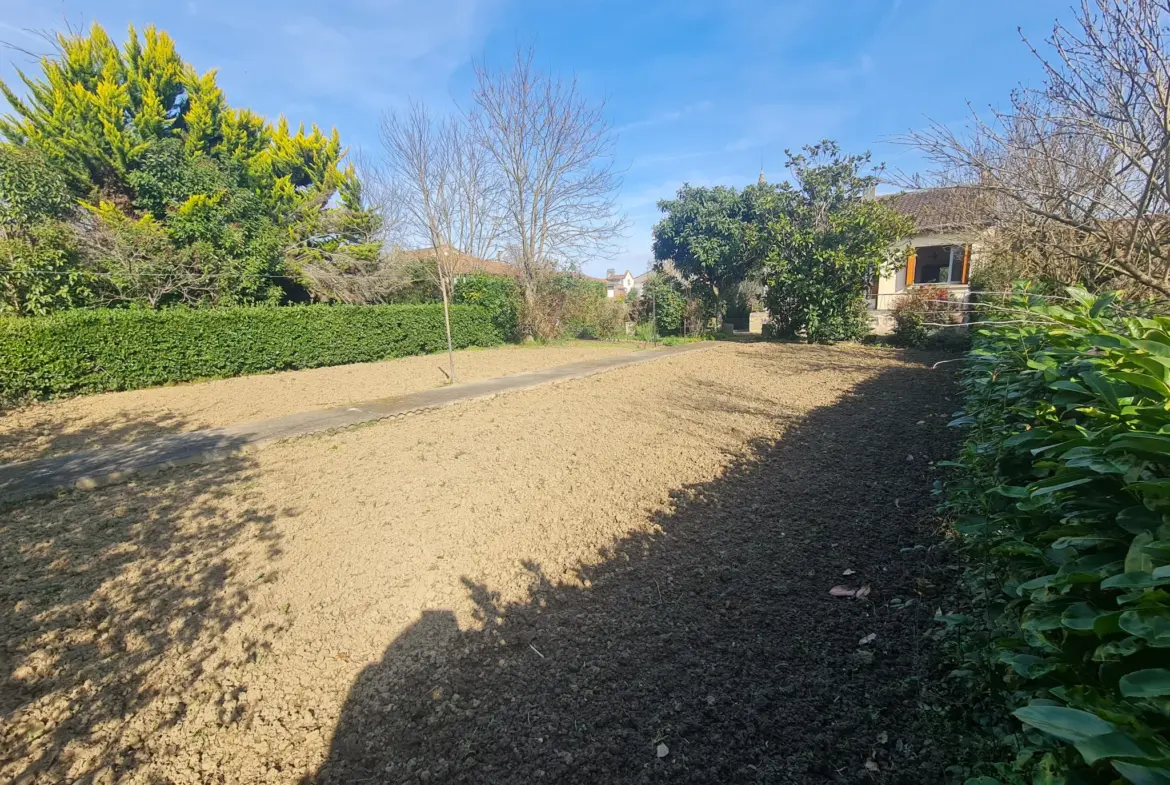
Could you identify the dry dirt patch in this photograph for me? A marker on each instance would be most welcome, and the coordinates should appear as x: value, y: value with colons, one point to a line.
x: 111, y: 418
x: 540, y: 587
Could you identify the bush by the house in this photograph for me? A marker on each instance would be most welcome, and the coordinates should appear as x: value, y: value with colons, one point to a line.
x: 77, y: 352
x: 916, y: 312
x: 1064, y: 506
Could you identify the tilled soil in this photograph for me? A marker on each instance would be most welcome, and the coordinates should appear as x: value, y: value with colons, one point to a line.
x: 91, y: 421
x: 624, y: 578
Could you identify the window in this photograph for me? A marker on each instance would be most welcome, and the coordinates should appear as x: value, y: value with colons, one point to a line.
x: 940, y: 264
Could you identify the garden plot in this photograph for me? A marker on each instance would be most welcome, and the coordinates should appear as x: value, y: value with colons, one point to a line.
x: 113, y: 418
x: 624, y: 578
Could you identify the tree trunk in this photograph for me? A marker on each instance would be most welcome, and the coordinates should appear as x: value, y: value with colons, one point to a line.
x: 447, y: 322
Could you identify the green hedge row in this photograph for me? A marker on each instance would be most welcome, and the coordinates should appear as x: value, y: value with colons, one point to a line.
x: 1063, y: 498
x: 78, y: 352
x: 499, y: 294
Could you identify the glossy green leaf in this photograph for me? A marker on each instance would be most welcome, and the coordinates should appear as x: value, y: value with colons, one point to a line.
x: 1147, y: 443
x: 1081, y: 542
x: 1150, y: 624
x: 1153, y: 347
x: 1071, y: 725
x: 1055, y: 484
x: 1134, y: 580
x: 1137, y: 519
x: 1069, y: 386
x: 1159, y: 488
x: 1010, y: 491
x: 1145, y: 381
x: 1118, y: 745
x: 1115, y: 650
x: 1106, y: 390
x: 1137, y: 560
x: 1080, y: 616
x: 1143, y: 775
x: 1103, y: 302
x: 1148, y: 683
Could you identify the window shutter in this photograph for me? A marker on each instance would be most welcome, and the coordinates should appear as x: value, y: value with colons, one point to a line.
x: 910, y: 262
x: 966, y: 262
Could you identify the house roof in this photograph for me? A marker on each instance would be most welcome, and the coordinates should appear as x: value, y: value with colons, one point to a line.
x: 935, y: 208
x: 465, y: 263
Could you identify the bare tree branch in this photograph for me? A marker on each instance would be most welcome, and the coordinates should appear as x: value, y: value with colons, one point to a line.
x: 1075, y: 176
x: 553, y: 150
x: 448, y: 190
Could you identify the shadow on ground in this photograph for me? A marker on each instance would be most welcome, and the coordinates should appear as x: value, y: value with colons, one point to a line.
x: 716, y: 637
x: 24, y: 437
x: 100, y: 592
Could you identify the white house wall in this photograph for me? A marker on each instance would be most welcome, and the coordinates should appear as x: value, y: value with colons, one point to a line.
x: 893, y: 284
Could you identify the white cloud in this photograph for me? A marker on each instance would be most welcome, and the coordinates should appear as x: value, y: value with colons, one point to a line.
x: 788, y: 124
x: 382, y: 53
x: 664, y: 117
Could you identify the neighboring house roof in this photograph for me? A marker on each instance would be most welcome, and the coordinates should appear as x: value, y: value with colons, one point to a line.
x: 465, y: 263
x: 935, y: 208
x: 496, y: 268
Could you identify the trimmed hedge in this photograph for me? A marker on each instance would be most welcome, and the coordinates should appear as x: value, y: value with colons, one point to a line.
x: 499, y: 294
x: 78, y: 352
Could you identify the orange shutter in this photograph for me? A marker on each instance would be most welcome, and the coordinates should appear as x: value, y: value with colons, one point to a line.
x: 910, y: 262
x: 966, y: 262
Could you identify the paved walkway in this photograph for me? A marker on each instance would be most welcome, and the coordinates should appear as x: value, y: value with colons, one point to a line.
x: 109, y: 465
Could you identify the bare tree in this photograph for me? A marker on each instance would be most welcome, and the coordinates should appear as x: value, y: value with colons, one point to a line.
x: 553, y: 149
x: 1078, y: 171
x: 449, y: 193
x: 382, y: 196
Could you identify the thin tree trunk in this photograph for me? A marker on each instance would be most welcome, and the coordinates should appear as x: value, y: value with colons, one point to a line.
x: 447, y: 321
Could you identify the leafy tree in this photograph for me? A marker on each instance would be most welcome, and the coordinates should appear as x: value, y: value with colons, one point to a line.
x: 705, y: 235
x: 664, y: 301
x: 152, y: 152
x: 821, y: 243
x: 31, y: 191
x: 39, y: 255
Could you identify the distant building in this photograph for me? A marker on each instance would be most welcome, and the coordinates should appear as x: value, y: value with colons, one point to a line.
x: 618, y: 285
x: 640, y: 280
x: 941, y: 253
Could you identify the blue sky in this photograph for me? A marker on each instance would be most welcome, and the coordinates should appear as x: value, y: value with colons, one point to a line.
x: 700, y: 92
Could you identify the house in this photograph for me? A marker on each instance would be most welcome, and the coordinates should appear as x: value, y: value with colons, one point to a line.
x: 618, y: 285
x: 942, y: 252
x: 640, y: 281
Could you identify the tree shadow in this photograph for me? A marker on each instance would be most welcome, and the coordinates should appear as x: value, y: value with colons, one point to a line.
x: 101, y: 589
x: 27, y: 435
x: 708, y: 651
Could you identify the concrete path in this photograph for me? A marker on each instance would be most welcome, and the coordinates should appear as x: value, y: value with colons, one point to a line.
x: 109, y: 465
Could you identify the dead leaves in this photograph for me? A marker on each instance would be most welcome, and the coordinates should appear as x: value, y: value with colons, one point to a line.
x: 851, y: 593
